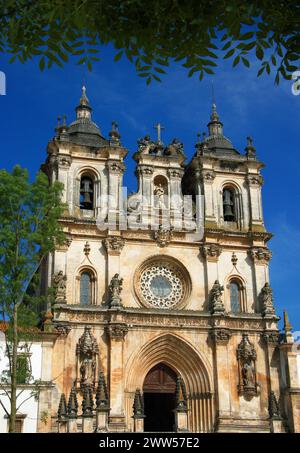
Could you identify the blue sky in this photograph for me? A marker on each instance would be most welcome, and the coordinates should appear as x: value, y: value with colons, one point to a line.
x: 246, y: 104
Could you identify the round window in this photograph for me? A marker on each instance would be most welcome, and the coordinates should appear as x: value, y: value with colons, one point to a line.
x: 162, y: 283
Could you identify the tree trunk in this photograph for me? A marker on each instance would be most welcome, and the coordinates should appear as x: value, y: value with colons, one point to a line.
x: 13, y: 385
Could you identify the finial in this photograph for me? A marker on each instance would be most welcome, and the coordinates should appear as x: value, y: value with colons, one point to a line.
x: 59, y: 121
x: 62, y: 408
x: 198, y: 138
x: 287, y: 328
x: 250, y: 149
x: 286, y: 323
x: 84, y: 99
x: 87, y: 401
x: 64, y: 120
x: 101, y: 394
x: 114, y: 133
x: 73, y: 403
x: 138, y: 407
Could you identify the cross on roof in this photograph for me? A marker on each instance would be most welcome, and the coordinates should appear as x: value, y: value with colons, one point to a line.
x: 159, y: 128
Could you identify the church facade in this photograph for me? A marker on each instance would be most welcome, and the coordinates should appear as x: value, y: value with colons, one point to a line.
x: 163, y: 318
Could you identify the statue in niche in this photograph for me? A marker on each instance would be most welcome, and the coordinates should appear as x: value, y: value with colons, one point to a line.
x: 159, y: 192
x: 59, y: 283
x: 246, y: 355
x: 87, y: 353
x: 248, y: 375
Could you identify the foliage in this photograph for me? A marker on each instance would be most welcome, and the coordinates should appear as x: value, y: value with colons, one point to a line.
x: 152, y: 33
x: 29, y: 230
x: 29, y: 214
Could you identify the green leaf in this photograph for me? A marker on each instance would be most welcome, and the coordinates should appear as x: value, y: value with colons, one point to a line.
x: 160, y: 70
x: 261, y: 71
x: 42, y: 64
x: 236, y: 61
x: 229, y: 54
x: 208, y: 70
x: 246, y: 36
x: 118, y: 56
x: 246, y: 62
x: 259, y: 52
x: 227, y: 45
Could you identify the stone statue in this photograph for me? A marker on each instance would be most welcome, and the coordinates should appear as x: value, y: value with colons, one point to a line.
x: 267, y: 300
x: 87, y: 353
x: 115, y: 288
x: 59, y: 282
x: 248, y: 375
x: 216, y: 291
x: 246, y: 355
x: 143, y: 143
x: 175, y: 148
x: 159, y: 192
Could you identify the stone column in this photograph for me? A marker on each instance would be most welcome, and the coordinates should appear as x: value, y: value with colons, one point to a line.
x: 220, y: 337
x: 176, y: 198
x: 255, y: 182
x: 115, y: 169
x: 290, y: 378
x: 64, y: 162
x: 45, y: 394
x: 146, y: 190
x: 116, y: 333
x: 208, y: 177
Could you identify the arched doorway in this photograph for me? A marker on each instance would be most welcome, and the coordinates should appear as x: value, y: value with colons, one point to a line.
x: 159, y: 399
x: 193, y: 367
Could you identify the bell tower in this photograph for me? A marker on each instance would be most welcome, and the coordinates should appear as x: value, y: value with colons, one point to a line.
x: 230, y: 183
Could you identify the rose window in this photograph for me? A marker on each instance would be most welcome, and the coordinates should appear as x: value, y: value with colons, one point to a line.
x: 161, y: 285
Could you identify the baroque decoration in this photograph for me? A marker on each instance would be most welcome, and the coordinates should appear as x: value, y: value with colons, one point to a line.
x: 163, y: 236
x: 87, y: 354
x: 246, y: 356
x: 162, y: 283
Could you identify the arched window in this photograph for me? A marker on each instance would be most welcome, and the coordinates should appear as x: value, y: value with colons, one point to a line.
x: 85, y: 288
x: 235, y: 296
x: 86, y: 193
x: 229, y: 208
